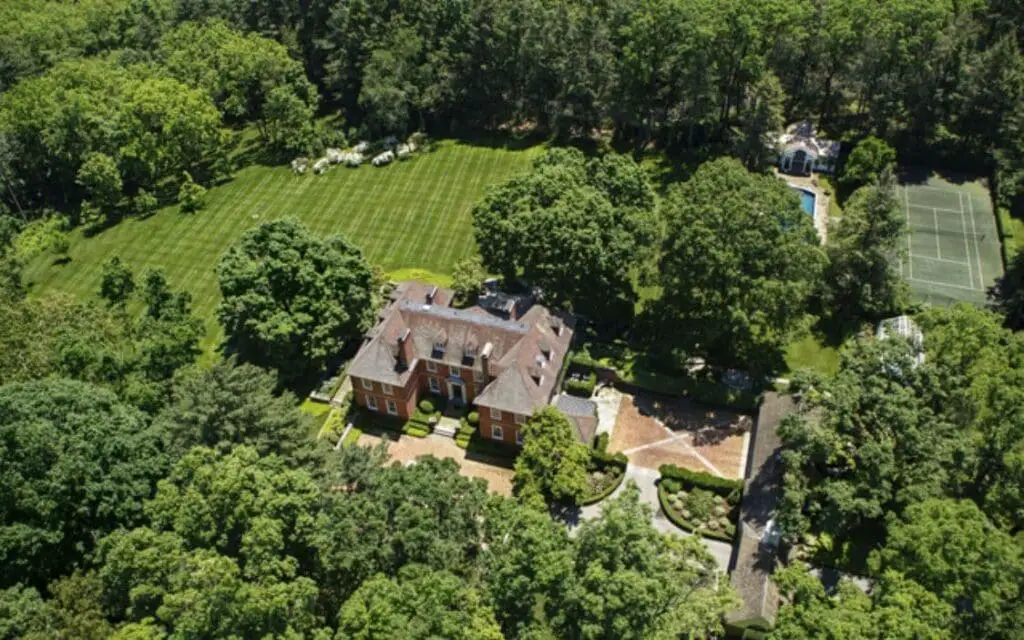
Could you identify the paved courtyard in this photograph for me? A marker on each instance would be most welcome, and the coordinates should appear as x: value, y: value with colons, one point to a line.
x: 408, y: 448
x: 653, y: 432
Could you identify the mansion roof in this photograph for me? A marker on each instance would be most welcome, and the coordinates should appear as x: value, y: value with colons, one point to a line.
x: 521, y: 357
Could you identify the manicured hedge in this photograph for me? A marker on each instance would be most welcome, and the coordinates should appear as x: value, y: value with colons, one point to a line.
x: 731, y: 490
x: 582, y: 388
x: 415, y: 430
x: 601, y: 460
x: 473, y: 418
x: 426, y: 406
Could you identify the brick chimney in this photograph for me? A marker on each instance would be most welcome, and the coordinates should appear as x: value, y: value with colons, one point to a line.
x: 406, y: 354
x: 485, y: 361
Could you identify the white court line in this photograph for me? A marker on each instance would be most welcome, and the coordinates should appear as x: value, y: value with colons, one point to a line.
x: 977, y: 251
x: 922, y: 186
x: 945, y: 284
x: 947, y: 261
x: 967, y: 246
x: 924, y: 206
x: 938, y: 247
x: 910, y: 227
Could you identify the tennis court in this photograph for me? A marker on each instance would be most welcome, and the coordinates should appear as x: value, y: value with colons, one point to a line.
x: 953, y: 245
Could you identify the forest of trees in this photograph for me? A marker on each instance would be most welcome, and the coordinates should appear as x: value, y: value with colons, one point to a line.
x: 938, y: 79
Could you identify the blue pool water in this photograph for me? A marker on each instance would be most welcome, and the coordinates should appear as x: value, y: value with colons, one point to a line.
x: 806, y: 199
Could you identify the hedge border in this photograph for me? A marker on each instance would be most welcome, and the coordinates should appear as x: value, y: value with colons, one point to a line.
x: 685, y: 524
x: 731, y: 490
x: 1009, y: 243
x: 701, y: 391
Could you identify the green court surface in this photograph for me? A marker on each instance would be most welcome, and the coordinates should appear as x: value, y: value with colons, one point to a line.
x: 952, y: 244
x: 409, y: 214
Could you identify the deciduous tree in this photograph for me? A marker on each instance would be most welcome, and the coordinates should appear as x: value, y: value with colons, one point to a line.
x: 869, y: 161
x: 573, y: 226
x: 862, y: 281
x: 468, y: 279
x: 230, y: 405
x: 553, y: 462
x: 419, y: 603
x: 290, y: 299
x: 738, y: 264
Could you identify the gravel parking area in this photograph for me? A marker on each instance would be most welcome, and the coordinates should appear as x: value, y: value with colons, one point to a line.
x: 653, y: 431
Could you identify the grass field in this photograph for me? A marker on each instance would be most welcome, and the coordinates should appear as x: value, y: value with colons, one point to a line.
x: 410, y: 215
x: 953, y: 250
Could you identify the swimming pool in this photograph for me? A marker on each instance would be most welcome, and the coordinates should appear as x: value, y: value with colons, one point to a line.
x: 806, y: 199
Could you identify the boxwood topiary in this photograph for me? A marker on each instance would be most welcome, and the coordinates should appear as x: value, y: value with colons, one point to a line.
x: 473, y: 418
x: 426, y: 406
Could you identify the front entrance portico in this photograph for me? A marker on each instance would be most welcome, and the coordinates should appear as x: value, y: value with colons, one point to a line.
x: 456, y: 391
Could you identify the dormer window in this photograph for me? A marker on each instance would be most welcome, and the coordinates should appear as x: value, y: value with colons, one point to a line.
x: 439, y: 347
x: 469, y: 351
x: 545, y: 350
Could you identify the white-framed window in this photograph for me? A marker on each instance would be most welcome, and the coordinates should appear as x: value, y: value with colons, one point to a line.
x: 497, y: 433
x: 371, y: 403
x: 387, y: 389
x: 367, y: 384
x: 435, y: 386
x: 519, y: 437
x: 455, y: 372
x: 478, y: 376
x: 431, y: 366
x: 520, y: 419
x: 392, y: 407
x: 495, y: 414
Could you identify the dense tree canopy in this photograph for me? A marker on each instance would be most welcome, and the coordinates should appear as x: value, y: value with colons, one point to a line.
x: 952, y: 549
x: 136, y: 356
x: 78, y: 463
x: 629, y: 581
x: 72, y: 125
x: 897, y: 609
x: 573, y: 227
x: 291, y: 300
x: 245, y: 75
x: 738, y: 265
x: 920, y: 464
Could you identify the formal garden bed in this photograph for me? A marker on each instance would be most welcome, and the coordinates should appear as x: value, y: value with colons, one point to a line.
x: 605, y: 471
x: 700, y: 502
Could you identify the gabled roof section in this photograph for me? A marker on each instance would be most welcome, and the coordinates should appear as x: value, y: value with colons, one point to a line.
x: 511, y: 392
x: 378, y: 361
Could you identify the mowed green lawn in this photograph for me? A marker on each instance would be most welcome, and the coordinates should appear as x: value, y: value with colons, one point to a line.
x: 410, y: 214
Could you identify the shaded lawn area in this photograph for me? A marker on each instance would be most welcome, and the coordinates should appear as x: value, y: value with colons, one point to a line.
x: 319, y: 412
x: 412, y: 214
x: 810, y: 352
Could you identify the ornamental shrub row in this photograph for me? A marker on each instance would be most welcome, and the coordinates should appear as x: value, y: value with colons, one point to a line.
x: 731, y: 490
